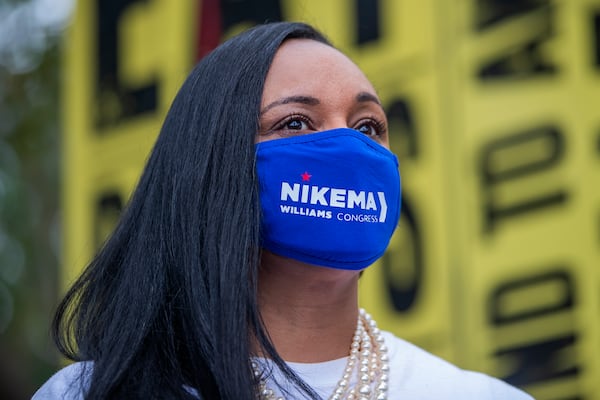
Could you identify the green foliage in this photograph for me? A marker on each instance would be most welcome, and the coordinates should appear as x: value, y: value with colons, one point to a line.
x: 29, y: 223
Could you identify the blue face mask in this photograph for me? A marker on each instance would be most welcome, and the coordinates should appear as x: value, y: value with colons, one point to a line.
x: 329, y: 198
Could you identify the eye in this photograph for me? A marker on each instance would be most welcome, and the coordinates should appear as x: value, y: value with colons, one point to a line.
x: 371, y: 127
x: 293, y: 124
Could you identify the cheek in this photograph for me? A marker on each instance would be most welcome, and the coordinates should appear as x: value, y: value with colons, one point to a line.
x: 385, y: 142
x: 260, y: 138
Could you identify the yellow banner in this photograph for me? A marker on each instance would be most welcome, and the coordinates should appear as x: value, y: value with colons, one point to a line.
x: 493, y: 110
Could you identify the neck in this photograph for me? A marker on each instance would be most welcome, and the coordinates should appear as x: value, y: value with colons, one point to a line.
x: 310, y: 312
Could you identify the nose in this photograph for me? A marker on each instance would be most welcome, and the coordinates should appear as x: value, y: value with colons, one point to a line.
x: 334, y: 122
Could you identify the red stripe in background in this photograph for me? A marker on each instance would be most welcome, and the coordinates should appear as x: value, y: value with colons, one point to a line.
x: 209, y: 30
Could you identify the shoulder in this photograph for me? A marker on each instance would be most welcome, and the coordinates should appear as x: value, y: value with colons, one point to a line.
x: 421, y: 375
x: 69, y: 383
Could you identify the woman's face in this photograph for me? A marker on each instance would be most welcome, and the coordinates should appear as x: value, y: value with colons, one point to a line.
x: 312, y: 87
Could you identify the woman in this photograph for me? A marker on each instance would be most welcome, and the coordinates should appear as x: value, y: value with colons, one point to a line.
x: 269, y: 189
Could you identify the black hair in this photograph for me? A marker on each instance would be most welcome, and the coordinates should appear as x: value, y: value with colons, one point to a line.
x: 168, y: 307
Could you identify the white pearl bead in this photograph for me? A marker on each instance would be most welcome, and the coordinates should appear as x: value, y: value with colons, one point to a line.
x: 364, y: 389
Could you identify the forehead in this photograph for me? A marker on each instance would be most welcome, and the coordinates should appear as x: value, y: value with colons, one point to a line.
x: 308, y: 66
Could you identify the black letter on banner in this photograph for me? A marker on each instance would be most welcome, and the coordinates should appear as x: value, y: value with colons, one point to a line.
x: 491, y: 12
x: 511, y: 59
x: 512, y: 148
x: 557, y: 280
x: 596, y: 39
x: 539, y: 362
x: 117, y: 101
x: 108, y: 210
x: 403, y: 132
x: 252, y: 12
x: 367, y: 21
x: 403, y: 262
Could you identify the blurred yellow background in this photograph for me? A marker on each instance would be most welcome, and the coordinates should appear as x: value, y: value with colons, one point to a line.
x: 493, y: 108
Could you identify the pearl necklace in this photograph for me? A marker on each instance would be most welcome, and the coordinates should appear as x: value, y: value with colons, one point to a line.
x: 368, y: 359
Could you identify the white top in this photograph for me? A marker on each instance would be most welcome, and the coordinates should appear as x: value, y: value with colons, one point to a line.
x: 414, y: 374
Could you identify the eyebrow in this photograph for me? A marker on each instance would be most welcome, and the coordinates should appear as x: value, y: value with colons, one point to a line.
x: 365, y: 96
x: 362, y: 97
x: 308, y: 100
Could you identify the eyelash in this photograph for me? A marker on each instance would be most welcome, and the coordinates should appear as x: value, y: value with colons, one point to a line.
x: 292, y: 117
x: 378, y: 124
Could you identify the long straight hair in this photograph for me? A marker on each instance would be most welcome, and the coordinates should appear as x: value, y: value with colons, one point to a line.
x: 168, y: 307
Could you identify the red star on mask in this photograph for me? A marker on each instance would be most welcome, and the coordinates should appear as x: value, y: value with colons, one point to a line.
x: 305, y: 176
